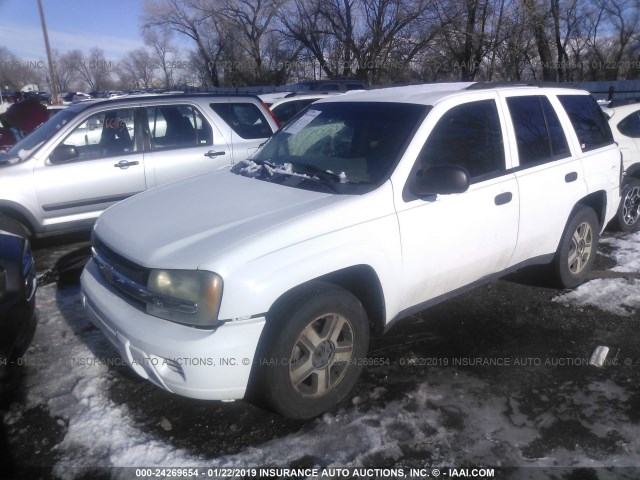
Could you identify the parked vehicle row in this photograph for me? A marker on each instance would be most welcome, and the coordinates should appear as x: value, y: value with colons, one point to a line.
x: 364, y: 208
x: 361, y: 209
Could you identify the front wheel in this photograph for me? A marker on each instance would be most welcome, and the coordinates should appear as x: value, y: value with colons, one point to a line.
x: 577, y: 250
x: 11, y: 225
x: 628, y: 215
x: 311, y: 353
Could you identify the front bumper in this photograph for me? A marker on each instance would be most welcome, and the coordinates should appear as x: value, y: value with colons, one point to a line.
x: 196, y: 363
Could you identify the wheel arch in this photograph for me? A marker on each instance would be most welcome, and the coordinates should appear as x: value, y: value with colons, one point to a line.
x: 598, y: 202
x: 17, y: 212
x: 362, y: 282
x: 633, y: 171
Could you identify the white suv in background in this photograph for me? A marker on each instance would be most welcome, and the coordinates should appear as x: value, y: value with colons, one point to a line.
x: 624, y: 120
x: 263, y: 281
x: 95, y: 153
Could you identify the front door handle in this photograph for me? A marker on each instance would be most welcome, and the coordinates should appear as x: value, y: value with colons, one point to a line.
x: 503, y: 198
x: 213, y: 154
x: 571, y: 177
x: 124, y: 164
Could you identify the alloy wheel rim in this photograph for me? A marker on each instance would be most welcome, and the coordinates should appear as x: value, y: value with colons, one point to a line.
x: 321, y: 355
x: 631, y: 206
x: 581, y: 248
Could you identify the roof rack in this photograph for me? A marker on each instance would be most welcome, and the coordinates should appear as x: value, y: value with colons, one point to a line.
x: 487, y: 85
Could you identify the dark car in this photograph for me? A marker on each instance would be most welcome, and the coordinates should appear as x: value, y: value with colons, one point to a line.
x: 18, y: 315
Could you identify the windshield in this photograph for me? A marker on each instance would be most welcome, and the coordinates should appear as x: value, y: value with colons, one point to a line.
x: 343, y: 147
x: 45, y: 131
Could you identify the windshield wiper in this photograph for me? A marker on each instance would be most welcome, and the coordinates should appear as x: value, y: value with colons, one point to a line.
x: 324, y: 177
x: 264, y: 162
x: 312, y: 169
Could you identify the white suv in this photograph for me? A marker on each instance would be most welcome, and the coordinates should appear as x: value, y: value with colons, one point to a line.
x: 95, y: 153
x: 624, y: 120
x: 263, y: 281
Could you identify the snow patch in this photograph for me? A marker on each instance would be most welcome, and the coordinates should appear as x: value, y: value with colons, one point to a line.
x: 618, y: 296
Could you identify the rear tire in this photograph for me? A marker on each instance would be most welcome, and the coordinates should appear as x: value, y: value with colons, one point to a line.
x: 628, y: 215
x: 577, y: 250
x: 311, y: 352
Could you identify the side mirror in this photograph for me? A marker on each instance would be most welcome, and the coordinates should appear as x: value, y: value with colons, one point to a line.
x: 63, y: 153
x: 440, y: 180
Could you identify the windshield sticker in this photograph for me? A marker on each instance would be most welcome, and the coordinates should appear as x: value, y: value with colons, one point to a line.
x: 302, y: 122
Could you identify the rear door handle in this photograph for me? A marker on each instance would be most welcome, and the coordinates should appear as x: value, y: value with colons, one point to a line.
x: 124, y: 164
x: 571, y: 177
x: 503, y: 198
x: 213, y: 154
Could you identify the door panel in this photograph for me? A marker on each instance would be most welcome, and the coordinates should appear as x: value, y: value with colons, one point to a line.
x: 182, y: 143
x: 450, y: 241
x: 106, y: 168
x: 454, y: 240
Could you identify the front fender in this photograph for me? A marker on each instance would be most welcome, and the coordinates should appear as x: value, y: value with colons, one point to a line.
x: 253, y: 288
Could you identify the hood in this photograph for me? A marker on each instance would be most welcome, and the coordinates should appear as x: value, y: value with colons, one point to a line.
x: 180, y: 225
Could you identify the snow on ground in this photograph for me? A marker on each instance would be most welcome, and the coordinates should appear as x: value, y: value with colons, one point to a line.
x: 619, y: 296
x: 450, y: 420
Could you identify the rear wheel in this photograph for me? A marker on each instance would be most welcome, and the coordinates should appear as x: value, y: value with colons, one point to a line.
x: 628, y: 215
x: 577, y: 250
x: 312, y: 350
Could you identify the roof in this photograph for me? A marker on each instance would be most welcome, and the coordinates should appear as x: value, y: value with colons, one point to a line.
x: 137, y: 98
x: 432, y: 93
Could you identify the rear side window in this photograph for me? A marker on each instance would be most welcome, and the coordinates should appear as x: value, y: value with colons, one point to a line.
x: 538, y: 131
x: 245, y: 119
x: 468, y: 135
x: 630, y: 125
x: 177, y: 126
x: 588, y: 121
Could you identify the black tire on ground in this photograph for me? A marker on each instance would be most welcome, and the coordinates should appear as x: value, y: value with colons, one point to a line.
x: 11, y: 225
x: 577, y: 250
x: 310, y: 354
x: 628, y: 216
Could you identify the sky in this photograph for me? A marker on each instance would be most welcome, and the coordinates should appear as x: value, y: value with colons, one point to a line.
x: 113, y: 26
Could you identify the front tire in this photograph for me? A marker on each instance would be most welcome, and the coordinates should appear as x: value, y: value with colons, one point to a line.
x: 628, y: 215
x: 311, y: 353
x: 11, y: 225
x: 577, y: 250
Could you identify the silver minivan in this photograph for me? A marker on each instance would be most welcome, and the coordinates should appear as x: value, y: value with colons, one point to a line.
x: 96, y: 153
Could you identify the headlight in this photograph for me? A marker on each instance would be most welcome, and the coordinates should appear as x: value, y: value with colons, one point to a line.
x: 185, y: 296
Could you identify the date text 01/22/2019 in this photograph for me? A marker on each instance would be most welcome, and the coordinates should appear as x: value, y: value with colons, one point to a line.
x: 334, y: 472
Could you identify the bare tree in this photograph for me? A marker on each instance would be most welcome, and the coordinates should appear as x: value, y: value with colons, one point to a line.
x: 251, y: 22
x: 302, y: 23
x: 367, y: 39
x: 194, y: 19
x: 137, y: 69
x: 94, y: 69
x: 15, y: 73
x: 159, y: 41
x: 612, y: 27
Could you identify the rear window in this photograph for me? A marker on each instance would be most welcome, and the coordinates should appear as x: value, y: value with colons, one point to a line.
x: 538, y: 131
x: 589, y: 121
x: 245, y: 119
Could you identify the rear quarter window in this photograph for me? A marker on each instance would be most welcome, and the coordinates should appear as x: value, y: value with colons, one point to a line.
x: 588, y: 120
